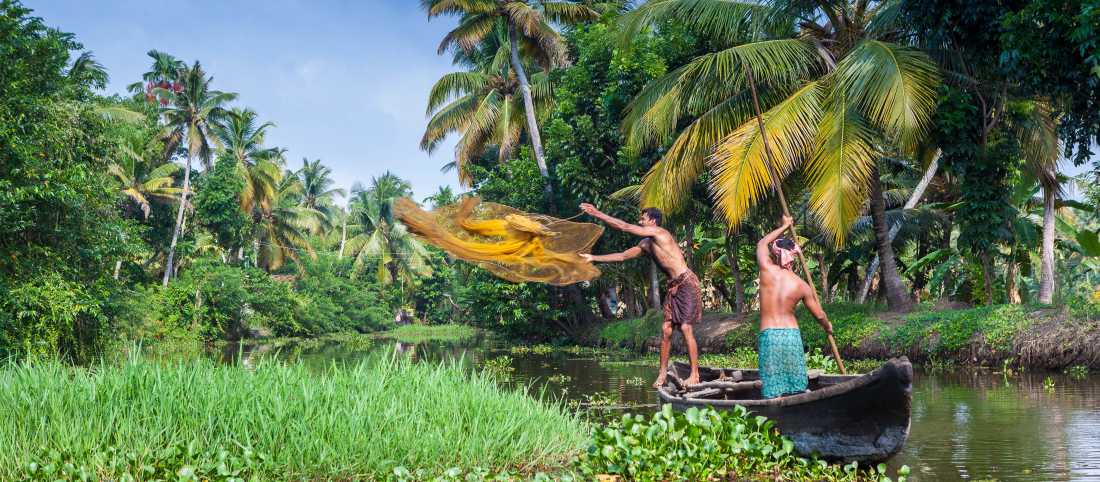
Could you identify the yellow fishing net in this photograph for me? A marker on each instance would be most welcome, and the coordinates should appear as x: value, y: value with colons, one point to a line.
x: 511, y: 244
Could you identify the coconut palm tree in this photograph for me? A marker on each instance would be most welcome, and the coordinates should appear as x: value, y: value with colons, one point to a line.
x: 378, y: 239
x: 483, y: 107
x: 527, y: 23
x: 1034, y: 127
x: 86, y: 69
x: 140, y: 180
x: 317, y: 191
x: 280, y: 226
x: 835, y: 96
x: 242, y: 140
x: 189, y: 116
x: 443, y: 196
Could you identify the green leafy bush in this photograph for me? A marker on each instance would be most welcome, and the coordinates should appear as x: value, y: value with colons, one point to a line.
x: 945, y: 332
x: 631, y: 332
x: 702, y: 445
x: 179, y: 462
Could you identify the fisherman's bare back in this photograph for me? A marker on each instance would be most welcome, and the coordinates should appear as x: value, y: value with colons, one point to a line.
x: 781, y: 289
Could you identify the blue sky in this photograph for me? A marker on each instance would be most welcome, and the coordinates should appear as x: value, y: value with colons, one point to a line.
x: 344, y: 81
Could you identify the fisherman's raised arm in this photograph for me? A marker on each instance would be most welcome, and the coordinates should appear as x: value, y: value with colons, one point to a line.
x: 763, y: 247
x: 643, y: 231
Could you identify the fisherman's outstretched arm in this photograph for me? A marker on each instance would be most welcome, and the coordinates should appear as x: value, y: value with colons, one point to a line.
x: 763, y: 252
x: 614, y: 258
x: 619, y: 224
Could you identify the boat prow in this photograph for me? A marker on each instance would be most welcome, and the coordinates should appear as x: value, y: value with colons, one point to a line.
x: 846, y: 418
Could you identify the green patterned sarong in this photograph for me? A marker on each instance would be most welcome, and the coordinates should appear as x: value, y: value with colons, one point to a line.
x: 782, y: 362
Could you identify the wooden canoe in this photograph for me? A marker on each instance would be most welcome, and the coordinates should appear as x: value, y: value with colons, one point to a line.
x: 862, y: 418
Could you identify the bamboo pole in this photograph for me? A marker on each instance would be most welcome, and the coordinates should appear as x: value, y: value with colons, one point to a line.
x: 769, y: 163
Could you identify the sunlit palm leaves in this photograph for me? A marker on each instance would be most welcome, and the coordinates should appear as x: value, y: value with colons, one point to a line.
x: 531, y: 18
x: 141, y: 180
x: 280, y: 226
x: 485, y: 108
x: 856, y: 91
x: 192, y: 113
x: 242, y: 139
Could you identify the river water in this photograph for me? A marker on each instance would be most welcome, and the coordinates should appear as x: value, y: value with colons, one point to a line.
x: 966, y: 425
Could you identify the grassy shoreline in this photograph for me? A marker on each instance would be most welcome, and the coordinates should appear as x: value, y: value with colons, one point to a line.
x: 278, y: 421
x: 1043, y: 337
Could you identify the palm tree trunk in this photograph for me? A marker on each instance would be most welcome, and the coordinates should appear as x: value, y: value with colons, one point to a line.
x: 914, y: 198
x: 725, y: 292
x: 735, y: 270
x: 826, y: 293
x: 1046, y: 277
x: 343, y: 238
x: 529, y: 111
x: 987, y: 276
x: 179, y: 221
x: 1012, y: 287
x: 896, y: 297
x: 118, y: 266
x: 654, y: 287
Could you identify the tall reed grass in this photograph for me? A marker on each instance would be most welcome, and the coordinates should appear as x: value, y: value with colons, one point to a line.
x: 357, y: 422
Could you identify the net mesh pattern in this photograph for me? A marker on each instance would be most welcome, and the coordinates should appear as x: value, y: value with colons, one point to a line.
x: 510, y: 243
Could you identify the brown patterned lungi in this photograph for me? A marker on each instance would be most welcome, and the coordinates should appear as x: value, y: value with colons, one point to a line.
x: 684, y: 300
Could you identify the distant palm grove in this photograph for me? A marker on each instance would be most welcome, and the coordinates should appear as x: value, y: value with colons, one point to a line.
x: 923, y: 146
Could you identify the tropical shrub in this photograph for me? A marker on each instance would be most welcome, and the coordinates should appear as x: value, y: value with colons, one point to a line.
x: 702, y: 445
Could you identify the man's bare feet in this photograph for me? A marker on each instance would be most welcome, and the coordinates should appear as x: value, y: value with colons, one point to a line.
x: 660, y: 381
x: 692, y: 380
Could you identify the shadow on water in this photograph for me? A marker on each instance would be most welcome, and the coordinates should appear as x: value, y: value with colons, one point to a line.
x: 966, y: 425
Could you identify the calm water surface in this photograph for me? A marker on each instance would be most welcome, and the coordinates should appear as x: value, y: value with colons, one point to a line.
x: 968, y: 425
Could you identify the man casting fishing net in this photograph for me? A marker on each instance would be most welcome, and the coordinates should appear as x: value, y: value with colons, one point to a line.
x: 782, y: 359
x: 683, y: 302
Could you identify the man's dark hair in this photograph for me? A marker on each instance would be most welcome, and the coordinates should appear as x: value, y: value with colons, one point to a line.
x: 785, y: 243
x: 654, y: 214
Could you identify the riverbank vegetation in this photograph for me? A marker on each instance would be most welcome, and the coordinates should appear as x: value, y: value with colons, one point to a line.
x: 176, y: 220
x: 275, y: 422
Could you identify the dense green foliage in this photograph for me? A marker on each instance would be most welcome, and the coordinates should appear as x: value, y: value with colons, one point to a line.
x: 704, y: 445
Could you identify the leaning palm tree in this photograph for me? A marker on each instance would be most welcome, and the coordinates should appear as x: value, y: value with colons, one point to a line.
x: 140, y: 180
x: 528, y: 26
x: 378, y: 239
x: 190, y: 114
x: 482, y: 106
x: 835, y: 96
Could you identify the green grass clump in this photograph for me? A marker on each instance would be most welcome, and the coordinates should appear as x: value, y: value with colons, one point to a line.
x: 706, y: 445
x: 945, y: 332
x: 275, y: 422
x: 632, y: 332
x: 422, y: 333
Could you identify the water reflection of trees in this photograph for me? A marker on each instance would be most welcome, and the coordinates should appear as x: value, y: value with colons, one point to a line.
x: 981, y: 425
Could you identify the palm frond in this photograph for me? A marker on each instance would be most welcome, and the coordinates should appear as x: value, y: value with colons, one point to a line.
x: 741, y: 175
x: 727, y: 22
x: 455, y: 85
x: 840, y: 167
x: 893, y: 86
